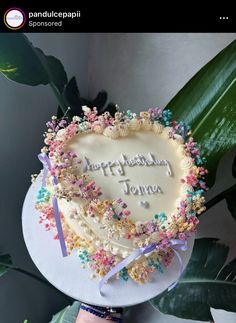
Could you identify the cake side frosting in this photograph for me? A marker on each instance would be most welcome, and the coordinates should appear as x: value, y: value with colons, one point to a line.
x: 123, y: 183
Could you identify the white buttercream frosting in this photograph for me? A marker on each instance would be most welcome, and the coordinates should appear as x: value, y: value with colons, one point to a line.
x: 181, y: 151
x: 146, y: 124
x: 123, y: 130
x: 98, y: 127
x: 187, y: 163
x: 184, y: 188
x: 157, y: 127
x: 179, y: 139
x: 111, y: 132
x: 166, y: 131
x: 135, y: 124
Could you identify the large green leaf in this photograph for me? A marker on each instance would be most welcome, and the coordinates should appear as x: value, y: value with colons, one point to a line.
x: 208, y: 104
x: 67, y: 315
x: 205, y: 283
x: 5, y: 262
x: 21, y: 62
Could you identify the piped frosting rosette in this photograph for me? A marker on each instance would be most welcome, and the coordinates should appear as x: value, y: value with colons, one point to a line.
x: 113, y: 216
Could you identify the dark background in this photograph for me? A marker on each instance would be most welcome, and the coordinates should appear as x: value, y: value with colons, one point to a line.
x: 134, y: 17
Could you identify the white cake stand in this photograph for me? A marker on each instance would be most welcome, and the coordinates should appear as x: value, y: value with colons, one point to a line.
x: 67, y: 275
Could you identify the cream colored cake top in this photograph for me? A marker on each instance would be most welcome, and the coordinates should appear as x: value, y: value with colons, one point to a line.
x: 144, y: 168
x: 147, y: 189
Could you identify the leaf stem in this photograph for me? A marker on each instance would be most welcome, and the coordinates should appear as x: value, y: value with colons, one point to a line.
x: 218, y: 198
x: 59, y: 97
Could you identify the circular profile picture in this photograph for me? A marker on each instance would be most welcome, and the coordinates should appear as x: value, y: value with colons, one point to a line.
x: 14, y: 18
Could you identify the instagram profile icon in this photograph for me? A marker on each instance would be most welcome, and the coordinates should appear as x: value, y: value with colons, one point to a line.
x: 14, y: 18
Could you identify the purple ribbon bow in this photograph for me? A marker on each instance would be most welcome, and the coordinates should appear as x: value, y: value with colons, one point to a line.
x: 47, y: 167
x: 175, y: 244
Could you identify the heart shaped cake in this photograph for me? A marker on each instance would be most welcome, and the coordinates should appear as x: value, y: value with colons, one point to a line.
x: 122, y: 184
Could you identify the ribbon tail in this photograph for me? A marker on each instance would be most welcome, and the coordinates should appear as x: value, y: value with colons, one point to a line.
x: 46, y: 167
x: 134, y: 255
x: 59, y: 226
x: 180, y: 244
x: 43, y: 158
x: 119, y: 267
x: 45, y: 172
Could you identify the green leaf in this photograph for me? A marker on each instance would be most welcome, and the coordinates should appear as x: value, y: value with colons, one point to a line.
x: 5, y: 262
x: 67, y: 315
x: 205, y: 283
x: 208, y: 104
x: 21, y: 62
x: 54, y: 69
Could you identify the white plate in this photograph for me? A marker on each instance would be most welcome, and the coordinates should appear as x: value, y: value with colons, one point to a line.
x: 67, y: 275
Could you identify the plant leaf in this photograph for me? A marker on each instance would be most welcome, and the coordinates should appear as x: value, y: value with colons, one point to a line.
x: 72, y: 98
x: 230, y: 195
x: 234, y: 167
x: 100, y: 100
x: 111, y: 108
x: 54, y: 68
x: 208, y: 104
x: 21, y: 62
x: 231, y: 202
x: 67, y: 315
x: 4, y: 261
x: 205, y: 283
